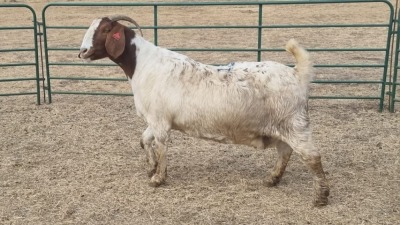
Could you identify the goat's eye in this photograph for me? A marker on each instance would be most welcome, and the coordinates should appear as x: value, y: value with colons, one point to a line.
x: 106, y: 30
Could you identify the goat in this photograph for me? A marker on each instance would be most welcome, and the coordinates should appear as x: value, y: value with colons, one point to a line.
x: 258, y: 104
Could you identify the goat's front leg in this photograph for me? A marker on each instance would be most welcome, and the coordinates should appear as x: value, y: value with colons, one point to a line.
x: 160, y: 151
x: 146, y: 142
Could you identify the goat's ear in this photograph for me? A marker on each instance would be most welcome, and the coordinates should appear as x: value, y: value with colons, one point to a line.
x: 115, y: 42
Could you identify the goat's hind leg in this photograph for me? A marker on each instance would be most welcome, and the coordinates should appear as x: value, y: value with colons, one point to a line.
x: 312, y: 159
x: 284, y: 153
x: 146, y: 142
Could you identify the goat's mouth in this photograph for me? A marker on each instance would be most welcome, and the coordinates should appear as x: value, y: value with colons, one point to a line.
x: 86, y: 54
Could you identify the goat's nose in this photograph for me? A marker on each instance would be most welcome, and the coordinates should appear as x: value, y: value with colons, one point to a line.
x: 82, y: 51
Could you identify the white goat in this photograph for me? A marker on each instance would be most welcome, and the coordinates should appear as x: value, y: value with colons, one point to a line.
x: 252, y: 103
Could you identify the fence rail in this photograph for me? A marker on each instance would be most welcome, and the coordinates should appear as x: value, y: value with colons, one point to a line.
x: 35, y: 50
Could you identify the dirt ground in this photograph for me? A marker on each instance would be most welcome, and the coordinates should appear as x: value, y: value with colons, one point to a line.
x: 78, y: 160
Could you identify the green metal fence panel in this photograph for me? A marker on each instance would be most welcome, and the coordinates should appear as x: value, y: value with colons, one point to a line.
x: 262, y: 29
x: 393, y: 92
x: 34, y: 63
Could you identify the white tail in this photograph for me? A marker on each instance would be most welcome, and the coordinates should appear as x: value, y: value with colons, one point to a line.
x: 304, y: 66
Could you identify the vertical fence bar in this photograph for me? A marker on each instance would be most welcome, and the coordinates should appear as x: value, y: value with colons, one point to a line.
x: 387, y: 54
x: 260, y: 23
x: 36, y: 57
x: 394, y: 85
x: 155, y: 25
x: 46, y: 53
x: 39, y: 24
x: 396, y: 66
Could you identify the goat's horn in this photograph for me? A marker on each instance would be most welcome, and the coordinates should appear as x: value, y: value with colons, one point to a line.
x: 121, y: 17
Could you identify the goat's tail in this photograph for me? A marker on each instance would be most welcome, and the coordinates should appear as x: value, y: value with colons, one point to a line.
x: 304, y: 65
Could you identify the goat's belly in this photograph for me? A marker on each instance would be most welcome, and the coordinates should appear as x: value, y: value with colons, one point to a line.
x: 195, y: 129
x: 260, y: 142
x: 223, y: 133
x: 210, y: 136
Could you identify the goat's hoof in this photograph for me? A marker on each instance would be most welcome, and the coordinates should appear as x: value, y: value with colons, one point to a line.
x: 322, y: 197
x: 271, y: 181
x: 141, y: 143
x: 151, y: 170
x: 156, y: 181
x: 321, y: 201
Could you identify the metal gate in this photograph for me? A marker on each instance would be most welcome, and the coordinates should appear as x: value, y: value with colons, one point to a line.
x: 261, y: 29
x: 24, y: 64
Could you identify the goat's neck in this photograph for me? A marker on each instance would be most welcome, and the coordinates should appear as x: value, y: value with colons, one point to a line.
x: 146, y: 52
x: 150, y: 57
x: 127, y: 61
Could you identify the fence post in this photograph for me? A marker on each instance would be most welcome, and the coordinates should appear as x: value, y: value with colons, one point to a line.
x: 155, y: 25
x: 259, y: 44
x: 387, y: 54
x: 36, y: 58
x: 46, y: 54
x: 396, y: 67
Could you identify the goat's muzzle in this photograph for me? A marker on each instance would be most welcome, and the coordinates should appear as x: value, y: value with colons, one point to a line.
x: 84, y: 53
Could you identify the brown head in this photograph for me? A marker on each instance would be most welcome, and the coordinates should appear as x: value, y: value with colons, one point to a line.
x: 108, y: 38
